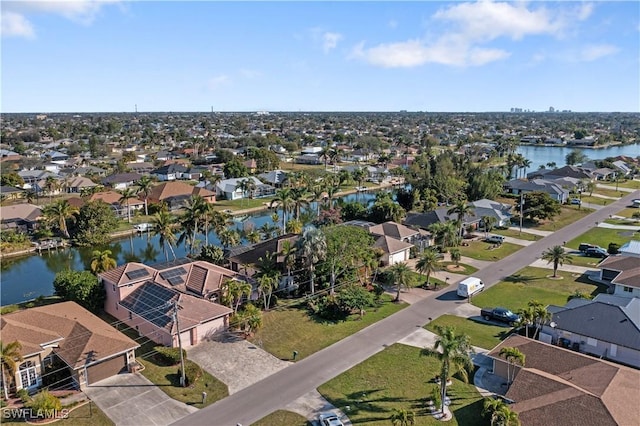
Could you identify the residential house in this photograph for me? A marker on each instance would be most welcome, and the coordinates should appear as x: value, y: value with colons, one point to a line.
x: 7, y: 155
x: 394, y: 251
x: 499, y: 211
x: 76, y: 184
x: 559, y: 387
x: 147, y: 298
x: 230, y: 189
x: 313, y: 159
x: 90, y: 170
x: 141, y: 168
x: 91, y: 349
x: 120, y: 181
x: 170, y: 172
x: 119, y: 206
x: 275, y: 178
x: 251, y: 165
x: 623, y: 275
x: 622, y: 167
x: 31, y: 178
x: 630, y: 248
x: 20, y: 217
x: 245, y: 258
x: 607, y: 327
x: 177, y: 194
x: 441, y: 215
x: 575, y: 172
x: 555, y: 191
x: 11, y: 192
x: 395, y: 230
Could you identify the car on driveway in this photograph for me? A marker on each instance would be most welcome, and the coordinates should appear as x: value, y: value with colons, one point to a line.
x: 583, y: 247
x: 329, y: 419
x: 596, y: 252
x: 576, y: 201
x: 499, y: 314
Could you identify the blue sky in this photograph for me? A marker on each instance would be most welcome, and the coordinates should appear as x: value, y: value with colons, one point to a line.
x: 310, y: 56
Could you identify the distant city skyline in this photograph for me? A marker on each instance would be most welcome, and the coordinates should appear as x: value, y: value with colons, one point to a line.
x: 114, y: 56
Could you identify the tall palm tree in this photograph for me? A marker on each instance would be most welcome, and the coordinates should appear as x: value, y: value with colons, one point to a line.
x: 428, y: 263
x: 513, y: 356
x: 488, y: 222
x: 288, y: 253
x: 402, y: 277
x: 125, y: 195
x: 51, y: 185
x: 456, y: 255
x: 163, y: 225
x: 144, y: 184
x: 540, y: 315
x: 193, y: 213
x: 266, y: 285
x: 10, y: 358
x: 452, y: 350
x: 558, y: 256
x: 299, y: 199
x: 312, y: 247
x: 238, y: 289
x: 102, y: 261
x: 461, y: 209
x: 527, y: 318
x: 229, y: 238
x: 283, y: 199
x: 501, y: 414
x: 58, y: 213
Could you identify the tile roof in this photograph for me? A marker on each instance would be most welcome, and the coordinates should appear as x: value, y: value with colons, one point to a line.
x: 391, y: 245
x: 174, y: 189
x: 561, y: 387
x: 113, y: 197
x: 82, y: 336
x: 394, y: 230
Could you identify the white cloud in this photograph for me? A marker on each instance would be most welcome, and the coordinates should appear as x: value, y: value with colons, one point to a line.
x: 218, y: 81
x: 472, y: 27
x: 15, y: 13
x: 597, y: 51
x: 15, y: 25
x: 330, y: 41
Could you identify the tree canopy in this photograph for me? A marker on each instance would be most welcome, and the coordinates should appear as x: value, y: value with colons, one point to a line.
x: 81, y: 287
x: 95, y: 221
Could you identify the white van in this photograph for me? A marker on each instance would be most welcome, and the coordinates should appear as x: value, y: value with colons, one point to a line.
x: 470, y: 286
x: 495, y: 239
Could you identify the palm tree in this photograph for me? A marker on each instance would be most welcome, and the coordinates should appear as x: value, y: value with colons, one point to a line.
x: 456, y: 255
x: 229, y: 238
x: 299, y: 199
x: 312, y: 247
x: 283, y: 199
x: 402, y: 277
x: 461, y: 209
x: 237, y: 289
x: 144, y: 184
x: 194, y: 211
x: 403, y: 417
x: 102, y: 261
x: 428, y: 263
x: 540, y: 315
x: 512, y: 356
x: 558, y: 256
x: 51, y: 185
x: 58, y: 213
x: 452, y: 350
x: 501, y: 414
x: 266, y: 285
x: 249, y: 319
x: 163, y: 224
x: 125, y: 195
x: 288, y: 253
x: 488, y: 223
x: 11, y: 357
x: 527, y: 318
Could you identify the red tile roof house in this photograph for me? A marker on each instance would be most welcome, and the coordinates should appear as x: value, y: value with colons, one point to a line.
x: 144, y: 296
x: 176, y: 194
x: 120, y: 207
x: 92, y: 349
x: 560, y: 387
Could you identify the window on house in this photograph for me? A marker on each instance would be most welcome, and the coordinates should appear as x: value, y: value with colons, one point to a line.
x: 113, y: 287
x: 28, y: 374
x: 628, y: 289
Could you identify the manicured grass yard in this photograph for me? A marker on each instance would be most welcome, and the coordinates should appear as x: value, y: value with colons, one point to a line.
x: 466, y: 269
x: 609, y: 192
x: 286, y: 330
x: 631, y: 183
x: 282, y: 417
x: 534, y: 284
x: 485, y: 336
x: 242, y: 203
x: 628, y: 212
x: 568, y: 214
x: 399, y: 377
x: 602, y: 237
x: 481, y: 250
x: 596, y: 200
x: 516, y: 234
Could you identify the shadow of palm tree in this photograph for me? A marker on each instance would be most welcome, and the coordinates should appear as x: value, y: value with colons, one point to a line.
x: 520, y: 278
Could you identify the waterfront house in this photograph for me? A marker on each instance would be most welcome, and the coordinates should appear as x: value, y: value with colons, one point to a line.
x: 231, y: 189
x: 22, y: 217
x: 555, y: 191
x: 90, y: 349
x: 146, y: 297
x: 119, y: 206
x: 559, y: 387
x: 177, y: 194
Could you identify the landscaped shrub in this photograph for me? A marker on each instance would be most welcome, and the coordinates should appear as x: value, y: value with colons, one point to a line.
x: 169, y: 356
x: 23, y: 394
x: 45, y: 401
x: 613, y: 248
x: 192, y: 372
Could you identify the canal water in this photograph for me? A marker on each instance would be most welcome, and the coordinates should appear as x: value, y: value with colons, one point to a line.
x: 28, y: 277
x: 542, y: 155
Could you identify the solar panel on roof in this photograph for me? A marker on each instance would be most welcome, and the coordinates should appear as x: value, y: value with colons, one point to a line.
x: 175, y: 280
x: 165, y: 275
x: 137, y: 273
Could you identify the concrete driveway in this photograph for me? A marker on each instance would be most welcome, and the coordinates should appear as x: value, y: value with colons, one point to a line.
x: 131, y: 399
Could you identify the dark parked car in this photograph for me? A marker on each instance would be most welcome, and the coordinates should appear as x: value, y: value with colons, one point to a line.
x: 583, y: 247
x: 500, y: 314
x: 596, y: 252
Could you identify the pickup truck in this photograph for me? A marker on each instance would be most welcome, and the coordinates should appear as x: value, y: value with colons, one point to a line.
x: 499, y: 314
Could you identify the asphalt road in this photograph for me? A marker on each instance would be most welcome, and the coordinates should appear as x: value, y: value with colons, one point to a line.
x: 262, y: 398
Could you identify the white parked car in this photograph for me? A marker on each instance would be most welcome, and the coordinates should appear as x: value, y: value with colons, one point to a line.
x: 329, y: 419
x: 143, y: 227
x: 499, y: 239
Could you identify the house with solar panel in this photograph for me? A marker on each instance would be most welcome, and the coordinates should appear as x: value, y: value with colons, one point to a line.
x: 147, y: 298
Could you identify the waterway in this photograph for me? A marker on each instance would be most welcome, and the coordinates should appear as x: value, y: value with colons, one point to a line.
x: 28, y: 277
x: 542, y: 155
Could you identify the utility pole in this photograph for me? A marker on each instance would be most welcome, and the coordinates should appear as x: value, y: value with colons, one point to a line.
x: 175, y: 318
x: 521, y: 206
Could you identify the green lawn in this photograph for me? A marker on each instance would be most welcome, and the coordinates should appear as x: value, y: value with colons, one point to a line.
x: 83, y: 415
x: 632, y: 184
x: 602, y: 237
x: 419, y: 280
x: 481, y: 250
x: 399, y: 377
x: 534, y: 284
x: 482, y: 335
x: 516, y: 234
x: 242, y: 204
x: 628, y: 212
x: 286, y: 330
x: 596, y: 200
x: 568, y: 214
x: 609, y: 192
x: 578, y: 259
x: 466, y: 269
x: 281, y: 417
